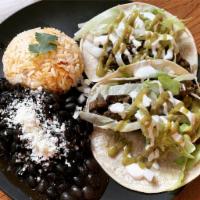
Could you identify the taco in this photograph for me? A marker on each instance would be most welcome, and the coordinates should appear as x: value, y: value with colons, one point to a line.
x: 128, y: 33
x: 146, y: 119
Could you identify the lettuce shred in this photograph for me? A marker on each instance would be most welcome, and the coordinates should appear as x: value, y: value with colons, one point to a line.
x: 169, y: 84
x: 99, y: 24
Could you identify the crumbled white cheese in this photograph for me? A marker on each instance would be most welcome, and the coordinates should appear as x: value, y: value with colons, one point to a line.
x: 139, y: 115
x: 169, y: 54
x: 36, y: 131
x: 159, y: 119
x: 155, y: 165
x: 146, y: 72
x: 116, y: 108
x: 133, y: 94
x: 146, y: 101
x: 138, y: 173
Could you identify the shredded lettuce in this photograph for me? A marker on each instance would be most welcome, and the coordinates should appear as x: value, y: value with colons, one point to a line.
x: 99, y: 24
x: 185, y: 77
x: 169, y: 84
x: 186, y: 164
x: 185, y: 128
x: 157, y: 11
x: 192, y: 162
x: 173, y: 23
x: 98, y: 120
x: 189, y: 147
x: 108, y: 123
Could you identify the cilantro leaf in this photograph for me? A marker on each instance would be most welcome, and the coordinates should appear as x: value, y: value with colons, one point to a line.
x: 45, y: 38
x: 37, y: 48
x: 46, y: 43
x: 169, y: 83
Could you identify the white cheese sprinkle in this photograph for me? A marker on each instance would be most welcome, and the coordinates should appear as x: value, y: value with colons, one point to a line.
x: 155, y: 165
x: 36, y: 130
x: 139, y: 115
x: 133, y: 94
x: 138, y: 173
x: 145, y: 72
x: 116, y: 108
x: 169, y: 54
x: 146, y: 101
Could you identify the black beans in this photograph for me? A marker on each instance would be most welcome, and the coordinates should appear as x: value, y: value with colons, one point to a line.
x: 83, y: 170
x: 71, y: 176
x: 42, y: 186
x: 66, y: 196
x: 88, y: 193
x: 31, y: 169
x: 76, y: 192
x: 62, y: 187
x: 51, y: 176
x: 31, y: 181
x: 51, y: 192
x: 93, y: 180
x: 92, y: 165
x: 60, y: 168
x: 2, y: 125
x: 78, y: 180
x: 70, y: 106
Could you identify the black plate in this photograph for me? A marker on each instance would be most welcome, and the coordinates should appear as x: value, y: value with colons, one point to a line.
x: 64, y: 15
